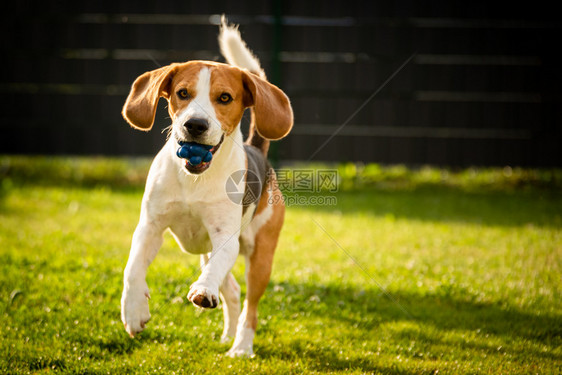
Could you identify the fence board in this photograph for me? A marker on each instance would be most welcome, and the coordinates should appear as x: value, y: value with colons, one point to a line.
x: 484, y: 87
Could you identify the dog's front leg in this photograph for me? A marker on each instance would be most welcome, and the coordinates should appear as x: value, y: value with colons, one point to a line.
x: 134, y: 302
x: 205, y: 291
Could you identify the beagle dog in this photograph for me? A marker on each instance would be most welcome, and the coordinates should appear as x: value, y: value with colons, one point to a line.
x: 206, y: 101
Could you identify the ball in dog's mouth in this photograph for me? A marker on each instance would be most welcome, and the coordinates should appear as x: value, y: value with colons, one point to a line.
x: 198, y: 157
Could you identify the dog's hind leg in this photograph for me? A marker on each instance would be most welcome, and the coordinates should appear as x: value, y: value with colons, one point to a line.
x: 259, y: 266
x: 230, y: 297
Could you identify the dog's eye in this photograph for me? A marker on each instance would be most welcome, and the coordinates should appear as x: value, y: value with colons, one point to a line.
x: 183, y: 94
x: 225, y: 98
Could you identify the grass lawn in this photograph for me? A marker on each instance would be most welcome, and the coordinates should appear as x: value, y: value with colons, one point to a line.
x: 411, y: 272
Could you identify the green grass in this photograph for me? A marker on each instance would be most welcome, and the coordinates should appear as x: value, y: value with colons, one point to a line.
x: 411, y: 272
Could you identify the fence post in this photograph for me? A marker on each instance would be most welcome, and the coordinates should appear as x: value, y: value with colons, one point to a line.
x: 276, y: 68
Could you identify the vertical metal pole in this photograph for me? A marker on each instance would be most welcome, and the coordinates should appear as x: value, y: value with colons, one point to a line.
x: 276, y: 67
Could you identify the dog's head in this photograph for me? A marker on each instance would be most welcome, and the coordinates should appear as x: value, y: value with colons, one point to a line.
x: 206, y: 101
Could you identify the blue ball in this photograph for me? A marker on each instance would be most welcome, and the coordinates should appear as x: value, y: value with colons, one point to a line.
x: 195, y: 153
x: 208, y: 156
x: 183, y: 152
x: 198, y: 150
x: 195, y: 160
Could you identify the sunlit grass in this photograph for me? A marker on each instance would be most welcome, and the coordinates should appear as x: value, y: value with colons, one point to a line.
x: 405, y: 277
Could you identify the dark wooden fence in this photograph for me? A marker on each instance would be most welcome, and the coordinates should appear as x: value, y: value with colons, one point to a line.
x: 472, y: 83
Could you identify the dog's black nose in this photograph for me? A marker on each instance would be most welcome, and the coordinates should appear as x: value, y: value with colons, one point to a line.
x: 196, y: 126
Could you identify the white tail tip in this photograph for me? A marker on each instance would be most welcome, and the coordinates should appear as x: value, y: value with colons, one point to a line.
x: 235, y: 50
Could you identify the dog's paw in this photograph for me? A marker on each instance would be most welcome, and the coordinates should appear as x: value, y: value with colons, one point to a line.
x: 243, y: 345
x: 240, y: 353
x: 134, y: 309
x: 203, y: 296
x: 225, y: 339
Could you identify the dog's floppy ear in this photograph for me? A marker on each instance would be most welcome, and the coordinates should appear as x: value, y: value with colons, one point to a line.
x: 140, y: 108
x: 272, y: 109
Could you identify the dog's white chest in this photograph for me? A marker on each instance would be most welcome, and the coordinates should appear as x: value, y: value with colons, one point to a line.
x: 190, y: 232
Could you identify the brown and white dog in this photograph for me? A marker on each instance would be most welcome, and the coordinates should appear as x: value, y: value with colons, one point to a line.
x: 206, y: 101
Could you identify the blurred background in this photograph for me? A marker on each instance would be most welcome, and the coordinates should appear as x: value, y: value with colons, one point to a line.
x: 473, y: 83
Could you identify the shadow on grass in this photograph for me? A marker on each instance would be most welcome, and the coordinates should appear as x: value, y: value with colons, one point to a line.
x: 442, y: 204
x: 116, y: 344
x: 430, y: 320
x: 358, y: 320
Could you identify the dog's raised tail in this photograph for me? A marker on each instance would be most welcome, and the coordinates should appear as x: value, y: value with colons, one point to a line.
x: 237, y: 53
x: 235, y: 50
